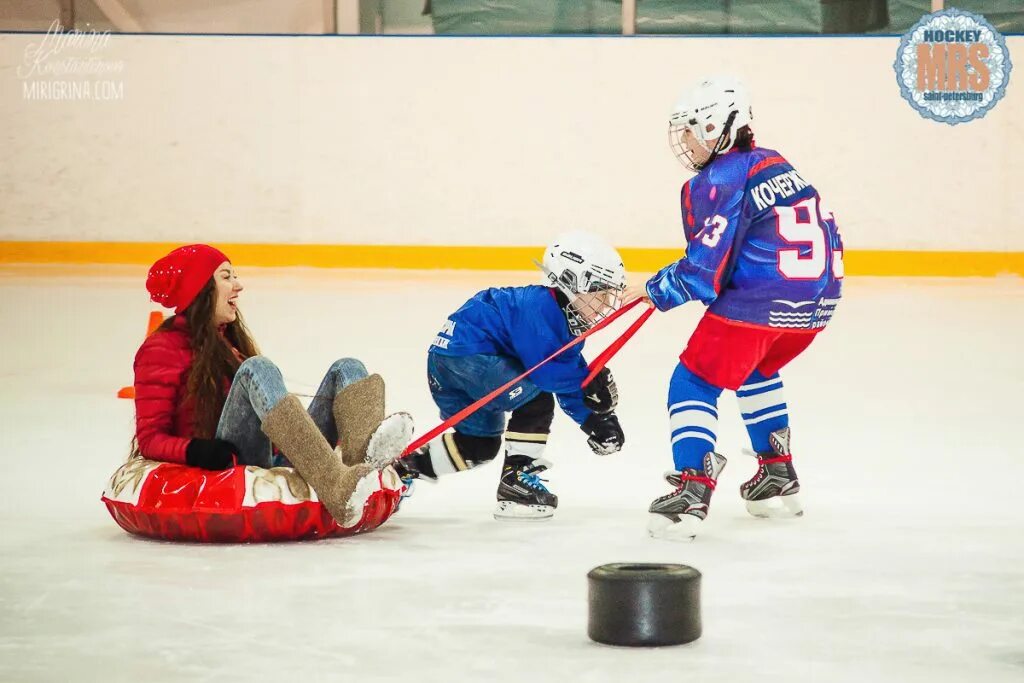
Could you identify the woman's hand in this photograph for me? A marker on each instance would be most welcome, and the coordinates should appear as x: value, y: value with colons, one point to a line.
x: 634, y: 292
x: 210, y: 454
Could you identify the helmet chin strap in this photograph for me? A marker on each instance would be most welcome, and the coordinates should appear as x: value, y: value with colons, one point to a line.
x: 724, y: 141
x: 577, y: 325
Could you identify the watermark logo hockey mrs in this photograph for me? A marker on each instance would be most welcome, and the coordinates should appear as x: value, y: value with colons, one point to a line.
x: 952, y: 66
x: 69, y: 65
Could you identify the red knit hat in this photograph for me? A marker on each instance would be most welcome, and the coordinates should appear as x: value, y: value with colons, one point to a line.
x: 175, y: 280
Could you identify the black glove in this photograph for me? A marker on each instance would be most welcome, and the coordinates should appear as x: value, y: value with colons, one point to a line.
x: 601, y: 395
x: 210, y: 454
x: 605, y: 434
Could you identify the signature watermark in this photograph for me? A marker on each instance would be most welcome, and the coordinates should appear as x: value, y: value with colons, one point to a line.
x: 70, y: 65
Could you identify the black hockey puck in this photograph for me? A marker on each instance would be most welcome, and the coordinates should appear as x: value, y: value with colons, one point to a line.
x: 644, y: 605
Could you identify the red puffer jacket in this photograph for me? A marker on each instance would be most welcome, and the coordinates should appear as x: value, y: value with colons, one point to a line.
x: 163, y: 419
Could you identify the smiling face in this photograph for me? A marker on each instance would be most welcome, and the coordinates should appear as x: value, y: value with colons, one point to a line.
x: 227, y: 287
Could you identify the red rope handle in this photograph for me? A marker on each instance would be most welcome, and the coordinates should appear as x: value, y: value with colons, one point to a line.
x: 613, y: 348
x: 470, y: 409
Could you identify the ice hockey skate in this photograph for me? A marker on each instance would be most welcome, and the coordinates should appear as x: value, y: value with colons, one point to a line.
x: 443, y: 455
x: 408, y: 468
x: 522, y: 495
x: 677, y: 515
x: 774, y: 490
x: 413, y: 468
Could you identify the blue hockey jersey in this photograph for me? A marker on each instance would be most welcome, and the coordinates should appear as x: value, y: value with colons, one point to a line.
x: 761, y: 246
x: 525, y: 323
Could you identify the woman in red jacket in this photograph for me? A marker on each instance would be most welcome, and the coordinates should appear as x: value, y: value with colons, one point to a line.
x: 206, y: 398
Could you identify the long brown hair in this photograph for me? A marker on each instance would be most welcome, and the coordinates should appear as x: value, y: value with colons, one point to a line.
x: 214, y: 361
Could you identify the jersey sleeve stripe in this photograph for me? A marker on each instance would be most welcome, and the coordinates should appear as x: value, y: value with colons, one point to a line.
x: 763, y: 164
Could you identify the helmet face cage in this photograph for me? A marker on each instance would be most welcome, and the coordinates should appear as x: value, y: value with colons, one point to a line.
x: 680, y: 123
x: 592, y: 298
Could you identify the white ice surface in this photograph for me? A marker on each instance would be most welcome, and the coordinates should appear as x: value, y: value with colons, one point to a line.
x: 908, y: 565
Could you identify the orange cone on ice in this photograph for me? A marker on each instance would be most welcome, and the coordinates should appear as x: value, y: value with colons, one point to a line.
x: 155, y: 318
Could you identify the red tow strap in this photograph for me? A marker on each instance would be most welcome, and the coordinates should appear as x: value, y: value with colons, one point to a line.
x: 595, y: 368
x: 613, y: 348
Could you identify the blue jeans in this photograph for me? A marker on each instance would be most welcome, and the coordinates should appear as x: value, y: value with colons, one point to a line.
x: 258, y: 387
x: 457, y: 381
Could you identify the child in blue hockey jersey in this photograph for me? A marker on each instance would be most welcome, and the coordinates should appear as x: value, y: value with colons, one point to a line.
x: 766, y: 257
x: 496, y: 336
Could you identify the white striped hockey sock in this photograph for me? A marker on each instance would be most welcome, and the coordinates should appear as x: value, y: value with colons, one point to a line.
x: 763, y: 408
x: 694, y: 425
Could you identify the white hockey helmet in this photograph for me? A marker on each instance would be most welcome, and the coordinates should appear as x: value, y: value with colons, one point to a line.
x: 713, y: 110
x: 590, y: 273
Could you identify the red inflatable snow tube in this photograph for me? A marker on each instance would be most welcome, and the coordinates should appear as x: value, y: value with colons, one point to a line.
x: 238, y: 505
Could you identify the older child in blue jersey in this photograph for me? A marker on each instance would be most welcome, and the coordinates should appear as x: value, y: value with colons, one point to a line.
x: 496, y: 336
x: 765, y: 256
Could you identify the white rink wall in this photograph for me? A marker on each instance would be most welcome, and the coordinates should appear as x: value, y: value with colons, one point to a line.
x: 364, y: 140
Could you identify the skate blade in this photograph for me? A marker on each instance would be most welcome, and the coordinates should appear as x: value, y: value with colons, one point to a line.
x: 507, y: 511
x: 389, y: 440
x: 683, y: 531
x: 777, y: 507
